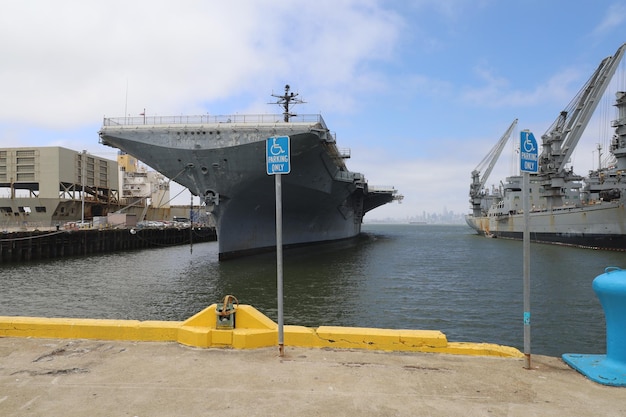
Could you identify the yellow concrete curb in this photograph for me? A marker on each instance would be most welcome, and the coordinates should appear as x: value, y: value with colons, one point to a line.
x: 252, y: 330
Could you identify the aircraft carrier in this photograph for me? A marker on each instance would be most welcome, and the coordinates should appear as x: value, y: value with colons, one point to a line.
x: 223, y: 160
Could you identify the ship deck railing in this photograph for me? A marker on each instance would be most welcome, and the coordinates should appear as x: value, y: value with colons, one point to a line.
x: 349, y: 176
x: 344, y: 153
x: 384, y: 189
x: 209, y: 119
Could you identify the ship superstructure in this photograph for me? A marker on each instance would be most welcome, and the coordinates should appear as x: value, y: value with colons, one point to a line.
x: 144, y: 189
x: 566, y: 208
x: 222, y: 159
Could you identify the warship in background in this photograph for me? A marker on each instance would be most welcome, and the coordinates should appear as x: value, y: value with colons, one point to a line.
x: 222, y: 159
x: 566, y: 208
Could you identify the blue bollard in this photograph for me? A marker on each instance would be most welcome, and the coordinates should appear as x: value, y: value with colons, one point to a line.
x: 609, y: 369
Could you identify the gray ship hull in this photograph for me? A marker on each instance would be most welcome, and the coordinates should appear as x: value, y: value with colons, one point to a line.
x: 225, y: 164
x: 598, y: 226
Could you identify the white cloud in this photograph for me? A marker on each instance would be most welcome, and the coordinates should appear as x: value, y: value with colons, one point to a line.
x: 614, y: 18
x: 69, y: 62
x: 497, y: 91
x: 429, y: 181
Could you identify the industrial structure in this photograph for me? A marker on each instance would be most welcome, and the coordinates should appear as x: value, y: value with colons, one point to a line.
x: 49, y: 187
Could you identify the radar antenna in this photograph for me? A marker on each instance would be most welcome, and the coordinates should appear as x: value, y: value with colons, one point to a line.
x: 286, y: 100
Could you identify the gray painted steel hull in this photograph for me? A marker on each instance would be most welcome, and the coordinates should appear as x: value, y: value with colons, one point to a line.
x: 225, y: 162
x: 598, y: 226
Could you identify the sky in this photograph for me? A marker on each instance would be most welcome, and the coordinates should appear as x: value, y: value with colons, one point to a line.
x: 419, y: 91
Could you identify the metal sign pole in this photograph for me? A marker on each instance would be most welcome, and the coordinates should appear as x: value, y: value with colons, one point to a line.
x: 526, y: 236
x: 529, y: 162
x: 277, y: 158
x: 279, y: 261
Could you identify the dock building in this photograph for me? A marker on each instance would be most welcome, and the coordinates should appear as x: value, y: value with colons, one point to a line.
x: 48, y: 187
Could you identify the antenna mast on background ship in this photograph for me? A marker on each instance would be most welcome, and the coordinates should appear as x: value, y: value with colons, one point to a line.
x: 286, y: 100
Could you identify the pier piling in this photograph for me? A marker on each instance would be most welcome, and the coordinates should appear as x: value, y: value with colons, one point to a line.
x: 35, y: 245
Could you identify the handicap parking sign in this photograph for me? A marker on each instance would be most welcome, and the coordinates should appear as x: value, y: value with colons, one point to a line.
x: 529, y: 153
x: 277, y: 155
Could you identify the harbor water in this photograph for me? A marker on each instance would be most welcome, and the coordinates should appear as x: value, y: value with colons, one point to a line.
x: 393, y: 276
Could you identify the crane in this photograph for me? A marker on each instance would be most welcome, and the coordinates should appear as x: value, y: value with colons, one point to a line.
x: 486, y: 166
x: 563, y: 135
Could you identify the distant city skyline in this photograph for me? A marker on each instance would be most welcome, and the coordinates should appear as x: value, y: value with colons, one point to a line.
x: 443, y: 217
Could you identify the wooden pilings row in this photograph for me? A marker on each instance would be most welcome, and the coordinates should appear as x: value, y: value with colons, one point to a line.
x: 38, y: 245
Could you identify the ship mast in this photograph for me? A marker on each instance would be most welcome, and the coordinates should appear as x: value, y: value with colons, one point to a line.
x: 286, y: 100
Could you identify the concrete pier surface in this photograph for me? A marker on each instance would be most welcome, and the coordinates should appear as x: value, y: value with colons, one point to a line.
x: 81, y: 377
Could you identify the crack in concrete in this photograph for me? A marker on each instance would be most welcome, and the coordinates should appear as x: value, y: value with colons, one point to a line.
x: 52, y: 372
